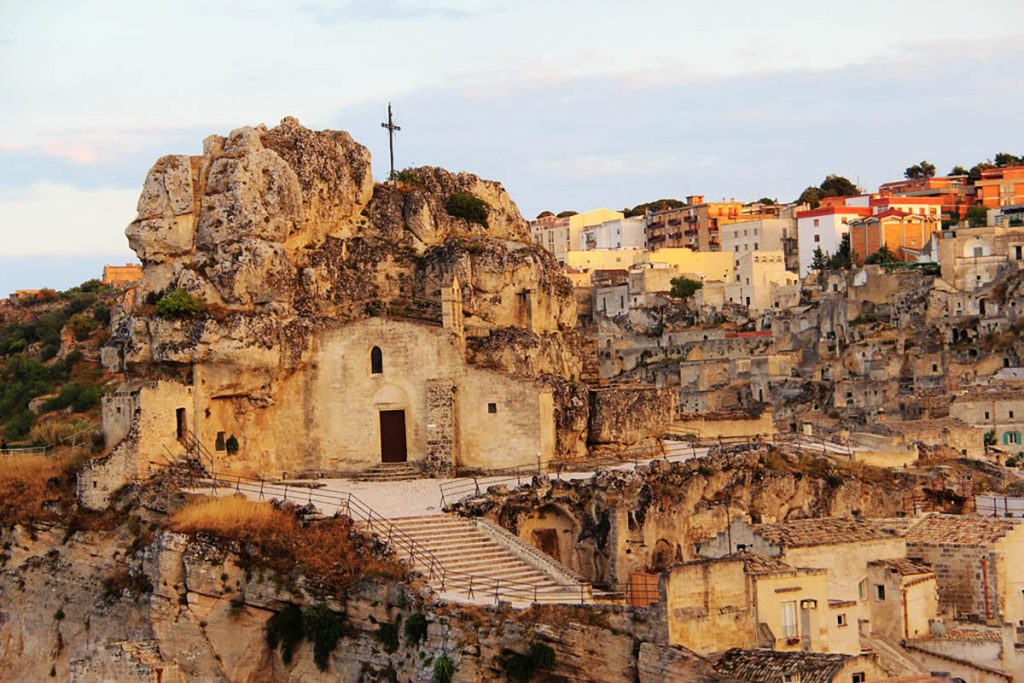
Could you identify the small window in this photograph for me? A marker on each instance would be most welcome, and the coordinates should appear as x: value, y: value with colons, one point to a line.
x: 492, y: 407
x: 817, y: 238
x: 1011, y: 414
x: 862, y: 589
x: 986, y: 414
x: 841, y: 619
x: 220, y: 441
x: 859, y: 677
x: 789, y: 626
x: 935, y: 367
x: 376, y: 361
x: 880, y: 591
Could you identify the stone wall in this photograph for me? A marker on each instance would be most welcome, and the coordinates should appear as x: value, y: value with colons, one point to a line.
x: 629, y: 415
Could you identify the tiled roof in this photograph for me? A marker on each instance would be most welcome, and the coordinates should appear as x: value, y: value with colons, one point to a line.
x: 755, y: 564
x: 831, y: 531
x: 983, y: 393
x: 961, y: 529
x: 769, y: 666
x: 903, y: 566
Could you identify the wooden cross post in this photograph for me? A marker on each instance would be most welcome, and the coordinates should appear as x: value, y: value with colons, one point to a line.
x: 390, y: 125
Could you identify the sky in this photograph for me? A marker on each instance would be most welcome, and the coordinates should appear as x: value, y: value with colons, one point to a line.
x: 571, y: 104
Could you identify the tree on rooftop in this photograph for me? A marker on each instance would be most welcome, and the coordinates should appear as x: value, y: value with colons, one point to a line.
x: 684, y: 287
x: 566, y: 214
x: 958, y: 170
x: 767, y: 201
x: 922, y: 170
x: 1006, y: 159
x: 656, y: 205
x: 544, y: 214
x: 975, y: 172
x: 832, y: 186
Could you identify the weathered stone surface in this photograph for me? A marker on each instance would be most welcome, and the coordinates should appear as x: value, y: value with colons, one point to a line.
x: 630, y: 415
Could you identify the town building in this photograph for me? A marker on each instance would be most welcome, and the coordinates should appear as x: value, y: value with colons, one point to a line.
x: 972, y: 258
x: 562, y: 235
x: 625, y: 233
x: 764, y: 234
x: 127, y: 274
x: 697, y: 225
x: 824, y: 228
x: 977, y: 563
x: 903, y: 600
x: 762, y: 282
x: 1003, y: 186
x: 955, y: 193
x: 904, y: 234
x: 998, y: 409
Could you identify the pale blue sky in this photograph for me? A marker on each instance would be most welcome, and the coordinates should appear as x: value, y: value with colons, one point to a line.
x: 572, y: 104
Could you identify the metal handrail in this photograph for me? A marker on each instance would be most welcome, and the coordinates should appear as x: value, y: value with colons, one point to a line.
x: 24, y: 450
x: 385, y: 529
x: 464, y: 487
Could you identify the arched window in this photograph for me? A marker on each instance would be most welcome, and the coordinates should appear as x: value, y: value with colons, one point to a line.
x: 376, y: 361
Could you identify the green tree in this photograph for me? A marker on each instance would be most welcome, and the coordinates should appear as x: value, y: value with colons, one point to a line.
x: 684, y: 287
x: 958, y: 170
x: 820, y: 260
x: 921, y: 170
x: 768, y: 201
x: 832, y: 186
x: 843, y: 258
x: 656, y: 205
x: 990, y: 438
x: 566, y: 214
x: 977, y: 216
x: 975, y: 172
x: 544, y: 214
x: 1006, y: 159
x: 883, y: 255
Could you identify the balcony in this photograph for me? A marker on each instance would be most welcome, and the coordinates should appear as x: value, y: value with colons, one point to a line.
x: 674, y: 221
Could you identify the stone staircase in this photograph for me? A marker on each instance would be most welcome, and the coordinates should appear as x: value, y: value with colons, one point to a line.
x: 482, y: 564
x: 390, y: 471
x: 893, y: 658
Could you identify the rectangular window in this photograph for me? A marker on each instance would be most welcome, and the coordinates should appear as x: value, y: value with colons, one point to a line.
x: 841, y: 619
x: 789, y: 627
x: 859, y: 677
x: 817, y: 238
x: 220, y: 441
x: 880, y: 591
x: 986, y: 414
x: 1010, y: 413
x: 862, y: 589
x: 817, y: 222
x: 492, y: 407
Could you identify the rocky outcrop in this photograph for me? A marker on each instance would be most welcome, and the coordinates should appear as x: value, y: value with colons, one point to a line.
x: 117, y: 605
x: 282, y: 232
x: 630, y: 415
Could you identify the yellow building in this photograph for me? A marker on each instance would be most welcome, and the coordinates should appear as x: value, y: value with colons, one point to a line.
x: 562, y: 235
x: 761, y: 282
x: 603, y: 259
x: 707, y: 266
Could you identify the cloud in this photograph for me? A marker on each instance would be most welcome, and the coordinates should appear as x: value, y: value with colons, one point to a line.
x: 393, y: 10
x: 59, y: 219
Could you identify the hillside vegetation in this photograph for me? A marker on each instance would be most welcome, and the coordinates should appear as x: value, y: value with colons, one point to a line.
x: 51, y: 380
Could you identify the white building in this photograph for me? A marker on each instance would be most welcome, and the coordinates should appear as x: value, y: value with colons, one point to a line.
x: 765, y: 234
x: 824, y: 228
x: 625, y: 233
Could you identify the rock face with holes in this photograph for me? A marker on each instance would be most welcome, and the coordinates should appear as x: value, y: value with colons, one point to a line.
x: 273, y: 267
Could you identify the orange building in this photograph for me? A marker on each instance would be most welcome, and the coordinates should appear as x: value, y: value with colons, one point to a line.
x: 955, y: 194
x: 902, y: 232
x: 122, y: 275
x: 1000, y: 187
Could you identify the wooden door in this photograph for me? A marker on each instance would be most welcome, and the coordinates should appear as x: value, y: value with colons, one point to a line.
x: 392, y: 436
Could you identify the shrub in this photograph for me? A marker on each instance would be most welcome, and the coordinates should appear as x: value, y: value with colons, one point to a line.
x: 444, y: 669
x: 416, y: 628
x: 409, y: 176
x: 59, y: 614
x: 231, y: 445
x: 19, y: 426
x: 75, y: 394
x: 325, y: 629
x: 179, y: 304
x: 223, y: 516
x: 81, y: 326
x: 285, y: 629
x: 468, y: 206
x: 29, y: 484
x: 387, y: 634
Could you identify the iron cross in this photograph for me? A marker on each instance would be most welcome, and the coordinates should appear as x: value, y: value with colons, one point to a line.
x: 390, y: 125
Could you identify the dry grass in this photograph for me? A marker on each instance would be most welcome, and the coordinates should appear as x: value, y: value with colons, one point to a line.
x: 28, y: 483
x: 330, y: 553
x: 232, y: 516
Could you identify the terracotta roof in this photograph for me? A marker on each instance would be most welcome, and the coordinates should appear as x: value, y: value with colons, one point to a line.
x: 961, y: 530
x: 903, y: 566
x: 971, y: 634
x: 770, y: 666
x: 983, y: 393
x: 755, y: 564
x: 830, y: 531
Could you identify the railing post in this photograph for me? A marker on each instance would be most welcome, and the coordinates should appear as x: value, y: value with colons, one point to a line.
x: 285, y: 494
x: 497, y: 583
x: 261, y: 489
